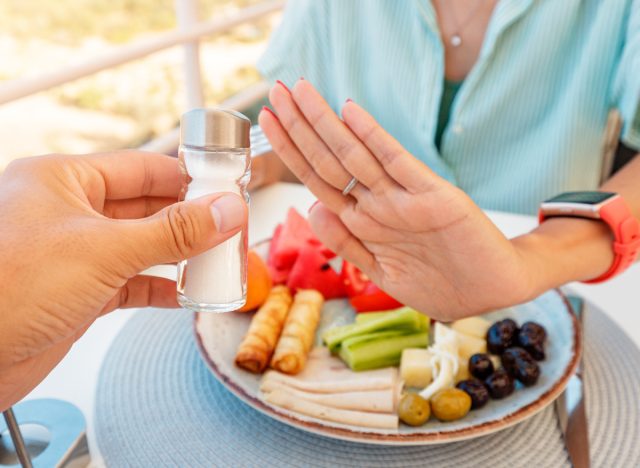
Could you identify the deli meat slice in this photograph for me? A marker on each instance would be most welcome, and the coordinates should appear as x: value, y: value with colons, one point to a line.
x: 289, y: 401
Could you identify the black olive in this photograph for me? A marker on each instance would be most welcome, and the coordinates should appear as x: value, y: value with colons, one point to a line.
x: 502, y: 335
x: 520, y: 365
x: 510, y: 358
x: 480, y: 366
x: 535, y: 328
x: 528, y: 372
x: 531, y: 337
x: 499, y: 384
x: 476, y: 390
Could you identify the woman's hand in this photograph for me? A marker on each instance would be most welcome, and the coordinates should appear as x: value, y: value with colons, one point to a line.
x: 76, y: 232
x: 418, y: 237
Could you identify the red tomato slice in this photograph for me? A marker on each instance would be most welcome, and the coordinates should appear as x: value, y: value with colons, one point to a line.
x: 373, y: 299
x: 355, y: 281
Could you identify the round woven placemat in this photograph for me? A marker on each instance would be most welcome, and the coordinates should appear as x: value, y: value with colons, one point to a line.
x: 158, y: 404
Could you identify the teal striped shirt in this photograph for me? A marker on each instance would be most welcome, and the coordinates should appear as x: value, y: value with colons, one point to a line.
x: 529, y: 119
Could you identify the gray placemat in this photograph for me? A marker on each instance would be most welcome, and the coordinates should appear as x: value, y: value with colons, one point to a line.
x: 158, y: 405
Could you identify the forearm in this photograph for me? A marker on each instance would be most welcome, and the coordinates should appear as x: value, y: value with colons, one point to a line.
x: 562, y: 250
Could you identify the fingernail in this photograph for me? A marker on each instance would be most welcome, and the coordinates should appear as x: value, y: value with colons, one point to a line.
x: 348, y: 100
x: 284, y: 86
x: 313, y: 206
x: 266, y: 109
x: 228, y: 213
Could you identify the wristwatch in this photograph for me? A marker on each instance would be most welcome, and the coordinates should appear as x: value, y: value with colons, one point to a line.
x: 609, y: 208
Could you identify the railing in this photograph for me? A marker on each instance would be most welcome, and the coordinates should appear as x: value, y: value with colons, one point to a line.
x: 189, y: 33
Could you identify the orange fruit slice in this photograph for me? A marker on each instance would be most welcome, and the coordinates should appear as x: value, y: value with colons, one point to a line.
x: 258, y: 282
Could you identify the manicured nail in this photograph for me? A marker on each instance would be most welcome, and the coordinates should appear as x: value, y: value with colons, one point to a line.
x: 228, y: 213
x: 348, y: 100
x: 283, y: 85
x: 313, y: 206
x: 266, y: 109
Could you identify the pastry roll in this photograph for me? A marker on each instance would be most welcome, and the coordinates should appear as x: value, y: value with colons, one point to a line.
x: 299, y: 332
x: 257, y: 346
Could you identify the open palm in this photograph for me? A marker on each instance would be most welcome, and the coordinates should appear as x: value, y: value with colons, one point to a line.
x: 417, y: 236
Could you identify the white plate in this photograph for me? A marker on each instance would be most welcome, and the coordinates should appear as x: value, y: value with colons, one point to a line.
x: 218, y: 337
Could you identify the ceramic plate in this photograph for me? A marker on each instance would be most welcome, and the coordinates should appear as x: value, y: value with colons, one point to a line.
x: 218, y: 337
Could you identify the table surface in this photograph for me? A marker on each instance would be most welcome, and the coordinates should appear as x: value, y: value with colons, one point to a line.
x: 76, y: 376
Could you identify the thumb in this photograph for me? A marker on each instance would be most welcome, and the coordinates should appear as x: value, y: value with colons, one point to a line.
x: 185, y: 229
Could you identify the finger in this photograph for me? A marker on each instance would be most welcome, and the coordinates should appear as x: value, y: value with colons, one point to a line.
x: 179, y: 231
x: 335, y: 235
x: 133, y: 174
x: 310, y: 145
x: 134, y: 208
x: 347, y: 148
x: 401, y: 165
x: 144, y: 291
x: 291, y: 156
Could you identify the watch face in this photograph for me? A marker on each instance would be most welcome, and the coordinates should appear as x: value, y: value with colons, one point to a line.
x: 583, y: 198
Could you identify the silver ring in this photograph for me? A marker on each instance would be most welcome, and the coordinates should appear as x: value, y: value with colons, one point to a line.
x: 350, y: 186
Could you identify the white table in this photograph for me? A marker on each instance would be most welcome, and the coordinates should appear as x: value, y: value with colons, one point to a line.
x: 76, y: 376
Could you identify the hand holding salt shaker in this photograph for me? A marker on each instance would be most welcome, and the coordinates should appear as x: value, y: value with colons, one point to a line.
x: 214, y: 157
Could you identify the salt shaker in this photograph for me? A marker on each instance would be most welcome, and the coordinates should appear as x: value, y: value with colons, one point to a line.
x: 214, y: 157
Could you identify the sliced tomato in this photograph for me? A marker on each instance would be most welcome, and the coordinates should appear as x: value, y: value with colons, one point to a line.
x: 373, y: 299
x: 355, y: 281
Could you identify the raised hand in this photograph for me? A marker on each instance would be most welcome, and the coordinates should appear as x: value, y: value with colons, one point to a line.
x: 417, y: 236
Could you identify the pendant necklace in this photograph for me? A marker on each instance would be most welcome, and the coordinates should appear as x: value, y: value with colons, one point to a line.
x: 456, y: 37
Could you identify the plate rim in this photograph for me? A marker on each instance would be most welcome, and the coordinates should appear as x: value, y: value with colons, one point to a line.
x: 433, y: 438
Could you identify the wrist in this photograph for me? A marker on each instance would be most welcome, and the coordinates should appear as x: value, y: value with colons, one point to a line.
x: 562, y: 250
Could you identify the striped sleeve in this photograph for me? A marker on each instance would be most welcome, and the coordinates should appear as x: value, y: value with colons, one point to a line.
x: 627, y: 83
x: 301, y: 46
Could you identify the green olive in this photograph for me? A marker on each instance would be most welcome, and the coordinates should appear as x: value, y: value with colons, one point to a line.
x: 450, y: 404
x: 413, y: 409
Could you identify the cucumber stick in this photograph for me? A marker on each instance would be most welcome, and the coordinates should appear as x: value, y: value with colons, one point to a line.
x: 381, y: 349
x: 364, y: 317
x: 404, y: 319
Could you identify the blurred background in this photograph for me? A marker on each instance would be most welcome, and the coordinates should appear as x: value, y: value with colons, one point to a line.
x: 90, y: 75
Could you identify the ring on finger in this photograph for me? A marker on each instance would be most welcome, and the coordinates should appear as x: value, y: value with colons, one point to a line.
x: 350, y: 186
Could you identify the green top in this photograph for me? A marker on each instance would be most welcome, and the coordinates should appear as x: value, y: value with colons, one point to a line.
x: 449, y: 93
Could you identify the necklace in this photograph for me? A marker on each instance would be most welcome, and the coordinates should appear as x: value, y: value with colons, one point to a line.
x: 456, y: 37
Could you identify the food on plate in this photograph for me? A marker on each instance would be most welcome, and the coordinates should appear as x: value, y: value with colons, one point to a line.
x: 373, y: 299
x: 298, y: 333
x: 415, y: 367
x: 405, y: 319
x: 463, y: 370
x: 378, y: 341
x: 502, y: 335
x: 288, y: 240
x: 532, y: 337
x: 413, y: 409
x: 312, y: 270
x: 288, y: 401
x: 380, y: 349
x: 255, y: 350
x: 376, y: 401
x: 258, y: 282
x: 472, y: 326
x: 450, y: 404
x: 476, y: 390
x: 520, y: 365
x: 499, y: 384
x: 480, y: 366
x: 363, y: 294
x: 329, y: 390
x: 469, y: 345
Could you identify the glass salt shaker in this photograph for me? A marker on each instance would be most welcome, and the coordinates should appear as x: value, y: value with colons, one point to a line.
x: 214, y: 157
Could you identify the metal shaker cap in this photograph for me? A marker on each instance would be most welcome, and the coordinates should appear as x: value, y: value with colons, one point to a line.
x: 219, y: 128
